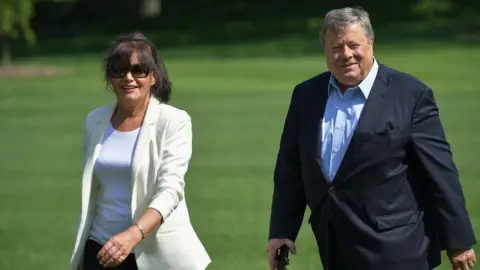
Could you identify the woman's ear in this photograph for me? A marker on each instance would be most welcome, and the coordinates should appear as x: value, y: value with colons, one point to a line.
x: 152, y: 80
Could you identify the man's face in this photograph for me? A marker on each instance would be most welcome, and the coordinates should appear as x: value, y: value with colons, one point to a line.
x: 349, y: 54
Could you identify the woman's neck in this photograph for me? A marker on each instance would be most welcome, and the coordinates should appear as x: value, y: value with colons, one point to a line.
x: 132, y: 110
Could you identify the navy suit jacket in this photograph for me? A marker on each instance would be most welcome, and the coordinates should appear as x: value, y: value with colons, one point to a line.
x: 396, y: 200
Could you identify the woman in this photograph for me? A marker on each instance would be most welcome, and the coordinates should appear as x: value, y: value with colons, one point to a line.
x: 135, y: 155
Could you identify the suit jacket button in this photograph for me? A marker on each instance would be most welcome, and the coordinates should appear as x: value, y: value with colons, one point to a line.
x: 331, y: 188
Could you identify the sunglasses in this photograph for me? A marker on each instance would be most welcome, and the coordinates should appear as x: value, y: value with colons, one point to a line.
x: 137, y: 71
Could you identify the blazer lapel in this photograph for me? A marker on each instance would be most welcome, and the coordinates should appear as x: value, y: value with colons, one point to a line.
x: 371, y: 113
x: 98, y: 133
x: 95, y: 143
x: 147, y: 132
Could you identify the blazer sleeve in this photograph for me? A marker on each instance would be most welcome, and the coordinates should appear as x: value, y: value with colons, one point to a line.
x: 85, y: 142
x: 176, y: 154
x: 433, y: 150
x: 288, y: 203
x: 87, y: 129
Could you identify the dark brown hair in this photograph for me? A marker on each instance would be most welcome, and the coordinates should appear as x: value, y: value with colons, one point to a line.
x: 121, y: 53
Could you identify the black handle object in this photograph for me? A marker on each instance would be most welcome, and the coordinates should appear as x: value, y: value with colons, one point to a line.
x: 282, y: 257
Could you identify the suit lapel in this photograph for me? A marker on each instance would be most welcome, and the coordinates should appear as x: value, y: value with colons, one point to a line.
x: 371, y: 113
x: 318, y: 112
x: 316, y: 107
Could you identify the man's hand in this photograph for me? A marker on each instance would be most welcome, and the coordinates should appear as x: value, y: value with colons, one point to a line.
x: 117, y: 249
x: 462, y: 259
x: 272, y: 247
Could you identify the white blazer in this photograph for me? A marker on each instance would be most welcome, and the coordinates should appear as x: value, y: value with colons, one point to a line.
x: 160, y: 161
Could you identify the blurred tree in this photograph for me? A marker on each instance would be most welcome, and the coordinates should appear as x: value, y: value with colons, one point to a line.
x: 15, y: 16
x: 431, y: 8
x: 14, y: 20
x: 151, y: 8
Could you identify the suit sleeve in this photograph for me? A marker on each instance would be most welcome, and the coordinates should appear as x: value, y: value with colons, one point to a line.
x: 289, y: 203
x: 177, y: 152
x: 433, y: 150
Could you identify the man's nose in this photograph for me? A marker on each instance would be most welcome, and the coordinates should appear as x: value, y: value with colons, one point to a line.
x: 347, y: 52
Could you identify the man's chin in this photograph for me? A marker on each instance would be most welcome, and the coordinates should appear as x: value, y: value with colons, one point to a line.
x: 350, y: 79
x: 351, y: 74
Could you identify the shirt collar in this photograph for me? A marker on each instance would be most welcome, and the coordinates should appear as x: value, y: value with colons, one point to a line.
x: 365, y: 86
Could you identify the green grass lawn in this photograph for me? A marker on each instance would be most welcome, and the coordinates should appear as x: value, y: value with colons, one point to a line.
x: 238, y: 107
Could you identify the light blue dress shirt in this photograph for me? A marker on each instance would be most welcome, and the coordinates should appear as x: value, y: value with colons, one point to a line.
x: 342, y: 112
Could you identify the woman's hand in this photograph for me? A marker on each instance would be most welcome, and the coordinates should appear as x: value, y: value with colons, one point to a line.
x: 116, y: 250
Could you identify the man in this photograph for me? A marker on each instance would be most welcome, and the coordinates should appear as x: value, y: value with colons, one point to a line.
x: 364, y: 148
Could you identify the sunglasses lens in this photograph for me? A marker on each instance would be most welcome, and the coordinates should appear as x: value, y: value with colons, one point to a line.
x: 139, y: 71
x: 116, y: 71
x: 119, y: 71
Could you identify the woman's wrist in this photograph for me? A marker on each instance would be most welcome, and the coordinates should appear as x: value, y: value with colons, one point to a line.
x: 137, y: 233
x: 140, y: 228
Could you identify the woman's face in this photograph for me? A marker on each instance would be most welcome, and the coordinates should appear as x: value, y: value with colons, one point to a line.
x: 131, y: 82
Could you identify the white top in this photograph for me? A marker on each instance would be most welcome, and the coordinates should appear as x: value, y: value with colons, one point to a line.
x: 113, y: 171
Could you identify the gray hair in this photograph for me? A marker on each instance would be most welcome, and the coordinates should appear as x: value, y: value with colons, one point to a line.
x: 337, y: 20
